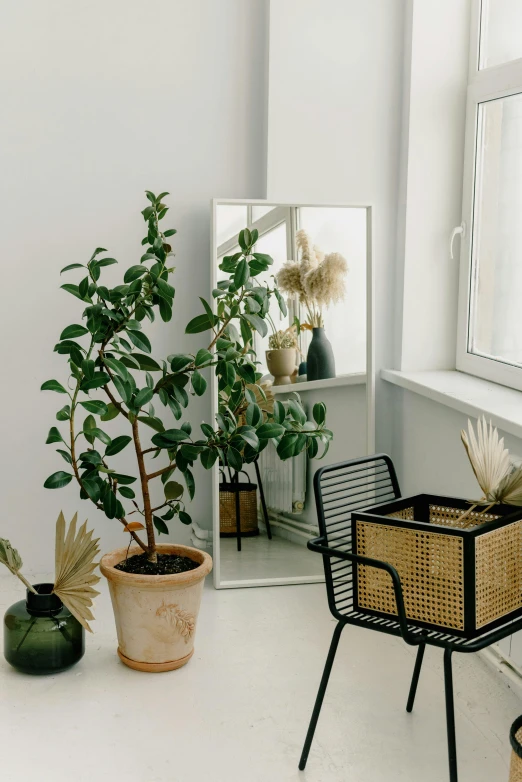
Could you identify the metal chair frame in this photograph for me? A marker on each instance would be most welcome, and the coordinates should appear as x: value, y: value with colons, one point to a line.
x: 338, y: 563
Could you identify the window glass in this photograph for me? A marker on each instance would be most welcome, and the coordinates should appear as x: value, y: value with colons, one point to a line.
x: 495, y: 313
x: 260, y: 211
x: 500, y: 39
x: 343, y: 230
x: 272, y: 243
x: 230, y: 219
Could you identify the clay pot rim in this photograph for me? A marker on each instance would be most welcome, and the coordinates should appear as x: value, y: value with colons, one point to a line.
x: 280, y: 350
x: 140, y: 580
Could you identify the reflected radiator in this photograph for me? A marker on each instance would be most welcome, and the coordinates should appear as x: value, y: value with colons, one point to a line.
x: 284, y: 483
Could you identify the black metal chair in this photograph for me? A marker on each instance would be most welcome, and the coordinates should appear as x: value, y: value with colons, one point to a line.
x: 354, y: 485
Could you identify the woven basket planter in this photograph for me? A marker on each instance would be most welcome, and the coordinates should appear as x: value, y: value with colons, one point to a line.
x: 515, y: 736
x: 463, y: 576
x: 247, y: 509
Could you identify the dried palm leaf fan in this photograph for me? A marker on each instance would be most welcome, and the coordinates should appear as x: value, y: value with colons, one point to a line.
x: 74, y: 567
x: 497, y: 476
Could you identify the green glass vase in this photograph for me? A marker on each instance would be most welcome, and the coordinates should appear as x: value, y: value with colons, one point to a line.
x: 41, y: 636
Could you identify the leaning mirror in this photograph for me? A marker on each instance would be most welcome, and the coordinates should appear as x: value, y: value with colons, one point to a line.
x: 312, y: 346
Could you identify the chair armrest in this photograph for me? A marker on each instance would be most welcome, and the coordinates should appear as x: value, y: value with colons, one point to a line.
x: 319, y: 545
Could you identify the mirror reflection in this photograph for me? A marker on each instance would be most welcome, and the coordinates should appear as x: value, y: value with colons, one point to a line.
x: 310, y: 354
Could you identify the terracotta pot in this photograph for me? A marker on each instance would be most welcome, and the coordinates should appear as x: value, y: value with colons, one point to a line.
x: 281, y: 364
x: 156, y: 615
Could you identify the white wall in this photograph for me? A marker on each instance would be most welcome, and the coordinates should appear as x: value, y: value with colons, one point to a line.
x: 334, y: 121
x: 101, y: 100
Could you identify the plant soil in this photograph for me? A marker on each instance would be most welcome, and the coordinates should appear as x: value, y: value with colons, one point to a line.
x: 167, y: 564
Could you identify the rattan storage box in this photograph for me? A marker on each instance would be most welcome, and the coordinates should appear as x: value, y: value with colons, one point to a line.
x: 464, y: 577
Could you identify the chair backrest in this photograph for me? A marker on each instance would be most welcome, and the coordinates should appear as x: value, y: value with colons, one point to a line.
x: 340, y: 489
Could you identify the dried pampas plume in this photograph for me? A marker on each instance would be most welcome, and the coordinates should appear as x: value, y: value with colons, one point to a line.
x: 325, y: 284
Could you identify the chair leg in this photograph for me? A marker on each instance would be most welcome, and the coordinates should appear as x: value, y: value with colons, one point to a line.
x: 320, y: 695
x: 415, y: 678
x: 263, y: 503
x: 450, y: 716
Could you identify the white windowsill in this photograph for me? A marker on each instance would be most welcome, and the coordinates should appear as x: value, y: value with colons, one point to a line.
x: 467, y: 394
x: 355, y: 379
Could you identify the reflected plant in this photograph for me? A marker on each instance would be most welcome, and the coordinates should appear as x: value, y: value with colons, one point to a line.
x: 113, y: 357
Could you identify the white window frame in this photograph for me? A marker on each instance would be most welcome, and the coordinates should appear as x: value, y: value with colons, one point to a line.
x: 485, y: 84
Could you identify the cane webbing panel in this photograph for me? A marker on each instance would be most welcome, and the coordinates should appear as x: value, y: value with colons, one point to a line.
x: 430, y: 566
x: 247, y: 510
x: 406, y: 513
x: 498, y: 573
x: 450, y: 517
x: 516, y: 762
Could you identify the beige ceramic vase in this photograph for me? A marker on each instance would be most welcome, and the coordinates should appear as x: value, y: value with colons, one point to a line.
x: 156, y: 615
x: 281, y: 364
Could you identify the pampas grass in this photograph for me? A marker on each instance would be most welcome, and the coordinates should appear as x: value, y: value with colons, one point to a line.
x: 316, y: 279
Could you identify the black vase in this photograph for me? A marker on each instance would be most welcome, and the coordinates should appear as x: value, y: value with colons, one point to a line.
x: 320, y: 362
x: 41, y: 635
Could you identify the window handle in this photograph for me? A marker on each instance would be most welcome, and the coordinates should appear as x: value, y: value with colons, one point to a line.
x: 459, y: 229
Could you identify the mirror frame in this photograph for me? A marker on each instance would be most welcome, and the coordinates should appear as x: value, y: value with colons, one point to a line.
x: 370, y: 374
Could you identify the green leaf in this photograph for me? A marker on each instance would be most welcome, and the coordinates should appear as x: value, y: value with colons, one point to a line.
x: 279, y: 412
x: 169, y: 438
x: 65, y: 455
x: 189, y: 480
x: 244, y: 239
x: 208, y: 457
x: 101, y: 435
x: 53, y: 385
x: 83, y: 287
x: 123, y: 389
x: 165, y: 308
x: 143, y: 397
x: 169, y: 514
x: 88, y: 368
x: 253, y: 414
x: 173, y: 490
x: 286, y: 447
x: 126, y: 492
x: 54, y: 436
x: 89, y: 425
x: 180, y: 362
x: 134, y: 272
x: 282, y: 303
x: 264, y: 258
x: 117, y: 366
x: 106, y: 262
x: 117, y: 445
x: 184, y: 517
x: 170, y: 232
x: 110, y: 504
x: 199, y: 384
x: 160, y: 525
x: 198, y: 324
x: 249, y: 436
x: 319, y: 413
x: 313, y: 447
x: 146, y: 362
x: 98, y: 380
x: 64, y: 414
x: 112, y: 412
x: 296, y: 411
x: 242, y: 273
x: 123, y: 479
x: 72, y: 266
x: 76, y: 330
x: 154, y: 423
x: 234, y: 458
x: 93, y: 488
x: 258, y: 323
x: 72, y: 289
x: 165, y: 290
x: 203, y: 356
x: 96, y: 407
x: 140, y: 340
x: 58, y: 480
x: 270, y: 430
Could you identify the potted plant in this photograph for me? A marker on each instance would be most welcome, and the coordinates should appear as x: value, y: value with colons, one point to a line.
x: 156, y: 591
x: 45, y: 632
x: 316, y: 280
x: 281, y: 358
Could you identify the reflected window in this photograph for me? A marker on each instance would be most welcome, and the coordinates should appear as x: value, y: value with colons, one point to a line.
x: 230, y: 219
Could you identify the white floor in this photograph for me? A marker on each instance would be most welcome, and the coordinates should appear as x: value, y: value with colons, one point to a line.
x: 238, y: 712
x: 263, y: 558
